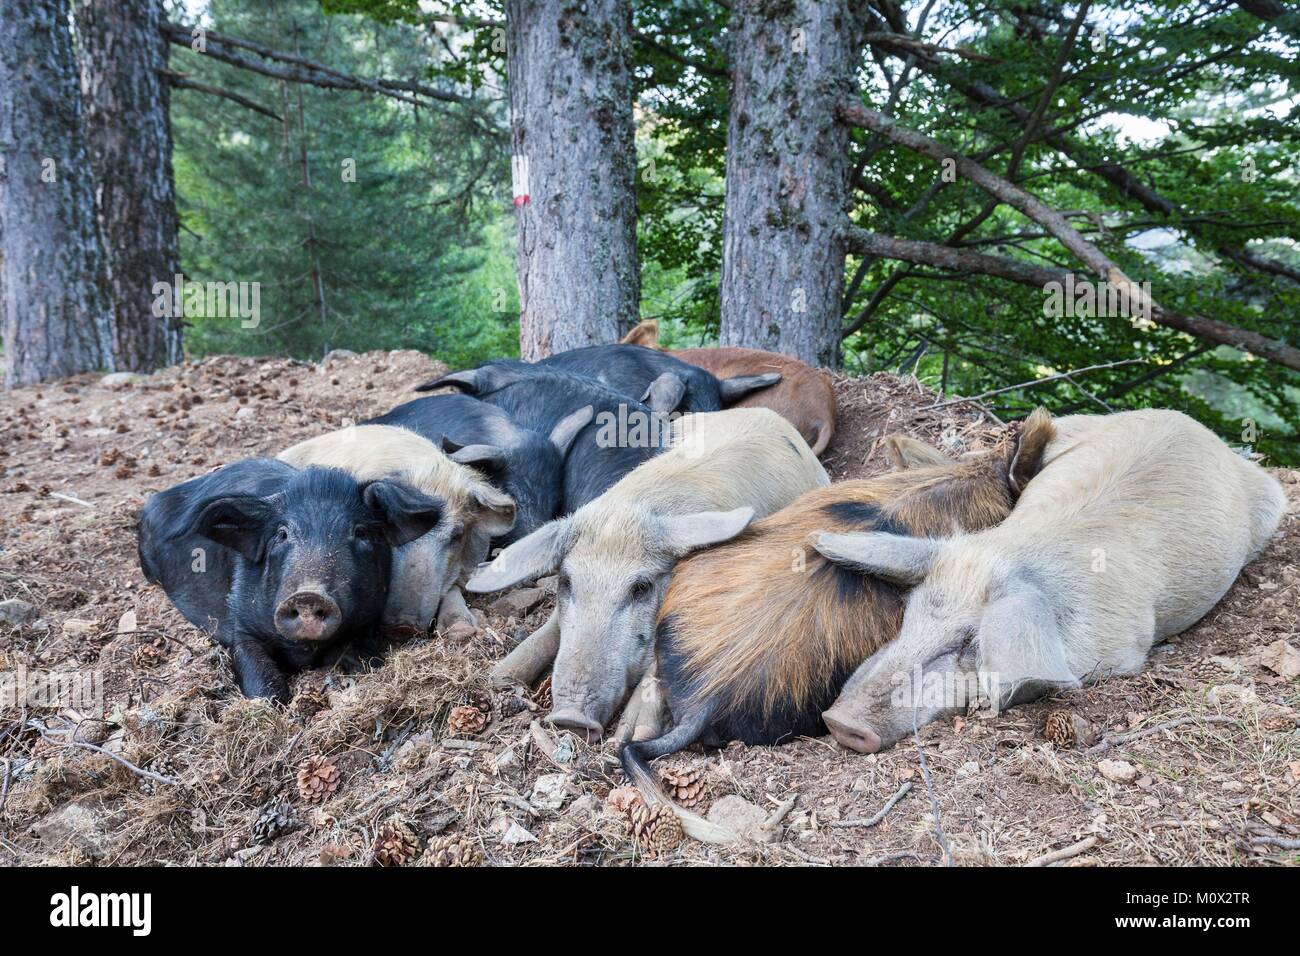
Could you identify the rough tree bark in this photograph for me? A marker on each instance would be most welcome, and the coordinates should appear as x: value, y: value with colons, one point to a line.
x: 56, y: 317
x: 570, y: 75
x: 126, y: 96
x: 788, y: 172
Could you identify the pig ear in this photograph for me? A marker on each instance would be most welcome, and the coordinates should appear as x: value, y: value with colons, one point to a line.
x: 896, y: 558
x: 665, y: 393
x: 734, y: 389
x: 487, y: 457
x: 686, y: 533
x: 407, y: 513
x: 477, y: 381
x: 905, y: 453
x: 645, y: 333
x: 1025, y: 459
x: 528, y: 557
x: 1021, y: 645
x: 567, y: 428
x: 498, y: 510
x: 239, y: 522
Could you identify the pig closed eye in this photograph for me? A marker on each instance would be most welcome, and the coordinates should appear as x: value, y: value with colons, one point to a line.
x: 281, y: 535
x: 642, y: 590
x: 365, y: 532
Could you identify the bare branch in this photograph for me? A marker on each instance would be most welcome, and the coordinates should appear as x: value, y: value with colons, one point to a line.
x: 182, y: 82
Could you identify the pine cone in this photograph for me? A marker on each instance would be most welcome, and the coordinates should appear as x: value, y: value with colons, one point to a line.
x: 1059, y: 728
x: 656, y: 829
x: 684, y: 786
x: 149, y: 654
x: 162, y: 765
x: 452, y: 851
x: 542, y: 696
x: 466, y: 720
x: 509, y: 703
x: 395, y: 844
x: 318, y: 778
x: 276, y: 819
x: 309, y: 702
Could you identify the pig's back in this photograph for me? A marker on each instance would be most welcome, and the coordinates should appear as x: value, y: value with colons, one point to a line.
x: 1169, y: 511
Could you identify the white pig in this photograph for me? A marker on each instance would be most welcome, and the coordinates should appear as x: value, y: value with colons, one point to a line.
x: 615, y: 555
x: 1137, y: 525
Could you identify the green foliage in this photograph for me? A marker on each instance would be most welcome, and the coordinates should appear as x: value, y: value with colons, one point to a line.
x: 368, y: 224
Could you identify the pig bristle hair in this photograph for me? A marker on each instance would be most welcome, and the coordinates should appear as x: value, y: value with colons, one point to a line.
x: 743, y: 609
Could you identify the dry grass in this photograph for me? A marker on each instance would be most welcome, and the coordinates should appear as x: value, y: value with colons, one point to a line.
x: 1204, y: 793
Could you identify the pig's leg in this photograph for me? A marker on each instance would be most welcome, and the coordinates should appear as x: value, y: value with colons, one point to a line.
x: 452, y: 609
x: 643, y: 717
x: 256, y: 673
x: 531, y: 657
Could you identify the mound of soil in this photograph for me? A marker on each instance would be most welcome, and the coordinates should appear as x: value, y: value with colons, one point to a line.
x: 1213, y: 781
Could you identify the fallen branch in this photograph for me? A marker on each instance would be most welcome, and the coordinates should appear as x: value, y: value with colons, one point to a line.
x: 1131, y: 736
x: 902, y: 791
x: 782, y: 809
x: 1282, y: 842
x: 1026, y: 273
x: 1032, y: 384
x: 1065, y: 853
x: 81, y: 745
x: 891, y: 857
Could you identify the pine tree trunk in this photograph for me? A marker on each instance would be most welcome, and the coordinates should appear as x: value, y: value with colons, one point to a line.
x: 570, y: 74
x: 128, y: 134
x: 787, y: 175
x: 56, y: 318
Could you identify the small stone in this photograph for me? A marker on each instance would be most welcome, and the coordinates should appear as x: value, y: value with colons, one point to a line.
x: 120, y: 379
x: 76, y: 825
x: 74, y: 627
x: 1117, y: 771
x: 550, y: 791
x: 515, y: 834
x: 17, y: 613
x: 245, y: 413
x: 549, y: 584
x: 507, y: 762
x: 518, y: 603
x: 969, y: 769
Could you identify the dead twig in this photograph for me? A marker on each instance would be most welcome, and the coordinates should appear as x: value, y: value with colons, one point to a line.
x: 1282, y: 842
x: 1065, y: 853
x: 81, y: 745
x: 779, y: 814
x: 1127, y: 738
x: 1033, y: 384
x: 891, y: 857
x: 903, y: 791
x: 934, y: 801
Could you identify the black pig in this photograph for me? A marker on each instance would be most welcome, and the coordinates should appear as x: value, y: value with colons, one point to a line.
x: 527, y: 466
x: 623, y: 434
x: 633, y: 370
x: 288, y: 568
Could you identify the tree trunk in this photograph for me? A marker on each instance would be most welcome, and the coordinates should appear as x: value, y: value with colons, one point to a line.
x: 570, y: 74
x: 787, y: 175
x: 56, y: 317
x: 128, y: 135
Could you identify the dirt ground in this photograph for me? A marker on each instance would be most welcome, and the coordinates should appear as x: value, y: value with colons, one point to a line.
x: 1216, y: 780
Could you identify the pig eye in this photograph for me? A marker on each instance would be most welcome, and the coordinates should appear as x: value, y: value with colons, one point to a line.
x: 363, y: 532
x: 563, y: 583
x: 281, y: 535
x: 641, y: 590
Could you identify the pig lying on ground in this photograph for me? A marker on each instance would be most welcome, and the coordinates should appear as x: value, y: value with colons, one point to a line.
x: 527, y: 466
x: 616, y: 554
x: 1137, y: 525
x: 286, y: 566
x: 634, y: 372
x: 757, y: 636
x: 805, y: 395
x: 427, y: 570
x: 623, y: 434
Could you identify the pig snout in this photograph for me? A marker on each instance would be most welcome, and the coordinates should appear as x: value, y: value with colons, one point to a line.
x: 308, y: 616
x: 851, y: 733
x: 571, y: 718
